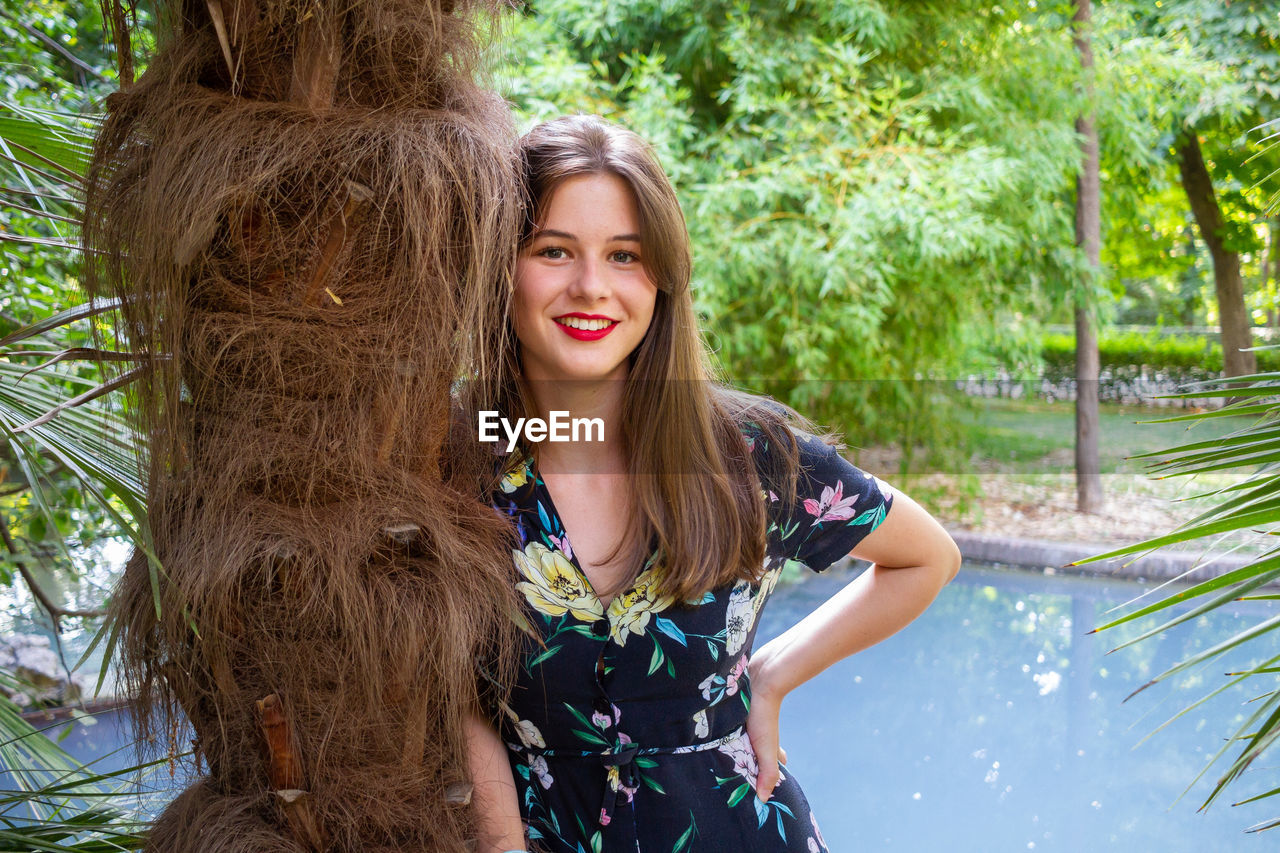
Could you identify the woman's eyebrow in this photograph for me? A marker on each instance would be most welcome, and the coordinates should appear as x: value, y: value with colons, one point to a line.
x: 551, y: 232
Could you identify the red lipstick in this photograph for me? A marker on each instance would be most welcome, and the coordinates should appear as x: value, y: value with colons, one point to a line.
x: 585, y: 334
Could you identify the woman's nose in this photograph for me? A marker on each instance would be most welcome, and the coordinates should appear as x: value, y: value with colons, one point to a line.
x: 591, y: 283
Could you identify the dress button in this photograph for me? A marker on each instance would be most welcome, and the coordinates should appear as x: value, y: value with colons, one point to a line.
x: 600, y: 628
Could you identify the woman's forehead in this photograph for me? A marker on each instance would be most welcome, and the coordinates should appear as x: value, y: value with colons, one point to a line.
x: 594, y: 202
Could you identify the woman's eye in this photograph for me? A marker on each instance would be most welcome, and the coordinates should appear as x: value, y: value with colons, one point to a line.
x: 621, y: 257
x: 553, y: 253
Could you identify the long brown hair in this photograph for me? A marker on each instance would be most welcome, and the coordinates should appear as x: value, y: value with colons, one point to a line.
x: 694, y: 486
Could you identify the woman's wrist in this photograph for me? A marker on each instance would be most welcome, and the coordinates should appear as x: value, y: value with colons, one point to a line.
x: 766, y: 676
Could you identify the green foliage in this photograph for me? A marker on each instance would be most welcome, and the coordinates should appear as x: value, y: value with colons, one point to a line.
x: 875, y: 193
x: 854, y: 214
x: 1242, y: 40
x: 48, y: 801
x: 68, y: 485
x: 1129, y: 356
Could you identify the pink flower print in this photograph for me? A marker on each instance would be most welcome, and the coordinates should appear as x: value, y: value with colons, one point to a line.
x: 562, y: 545
x: 604, y: 817
x: 831, y: 507
x: 731, y: 686
x: 601, y: 721
x: 744, y: 758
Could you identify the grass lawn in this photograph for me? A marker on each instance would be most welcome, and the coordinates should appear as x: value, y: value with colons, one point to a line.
x: 1037, y: 436
x: 1013, y: 472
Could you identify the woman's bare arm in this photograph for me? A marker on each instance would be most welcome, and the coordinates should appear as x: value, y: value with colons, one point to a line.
x: 913, y: 559
x: 493, y: 799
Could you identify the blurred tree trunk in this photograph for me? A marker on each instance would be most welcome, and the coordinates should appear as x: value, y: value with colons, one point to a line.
x: 1264, y: 266
x: 1273, y: 312
x: 1089, y: 240
x: 1271, y: 272
x: 1233, y: 317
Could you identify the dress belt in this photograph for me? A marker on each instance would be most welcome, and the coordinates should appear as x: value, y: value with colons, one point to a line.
x: 623, y: 757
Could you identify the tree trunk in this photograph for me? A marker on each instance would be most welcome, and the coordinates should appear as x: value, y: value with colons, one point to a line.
x: 1232, y: 314
x: 1271, y: 273
x: 1264, y: 267
x: 1089, y: 240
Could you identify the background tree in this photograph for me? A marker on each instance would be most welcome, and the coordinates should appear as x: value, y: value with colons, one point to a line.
x: 1089, y: 239
x: 1220, y: 178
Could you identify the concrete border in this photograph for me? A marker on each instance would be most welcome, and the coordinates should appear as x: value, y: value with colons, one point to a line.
x: 1040, y: 554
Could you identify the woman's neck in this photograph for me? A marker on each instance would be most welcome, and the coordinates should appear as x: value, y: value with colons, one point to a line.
x: 597, y: 450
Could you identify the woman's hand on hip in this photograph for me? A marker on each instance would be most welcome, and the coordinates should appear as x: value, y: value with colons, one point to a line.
x: 762, y: 727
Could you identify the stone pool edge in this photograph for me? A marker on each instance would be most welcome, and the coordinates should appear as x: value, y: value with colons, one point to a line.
x: 1053, y: 557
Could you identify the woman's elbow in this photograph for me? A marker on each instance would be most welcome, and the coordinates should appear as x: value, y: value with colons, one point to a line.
x: 949, y: 560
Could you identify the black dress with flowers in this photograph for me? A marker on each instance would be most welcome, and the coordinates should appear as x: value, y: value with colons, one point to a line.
x: 626, y: 727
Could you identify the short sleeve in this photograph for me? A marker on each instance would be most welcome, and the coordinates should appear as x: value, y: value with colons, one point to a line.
x: 836, y: 505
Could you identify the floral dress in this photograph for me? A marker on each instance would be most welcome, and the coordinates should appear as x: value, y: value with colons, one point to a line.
x: 626, y: 726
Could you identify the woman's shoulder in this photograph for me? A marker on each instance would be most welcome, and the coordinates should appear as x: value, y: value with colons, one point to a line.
x: 765, y: 424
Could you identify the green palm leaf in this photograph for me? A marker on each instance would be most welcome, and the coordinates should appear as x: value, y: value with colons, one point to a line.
x: 1253, y: 503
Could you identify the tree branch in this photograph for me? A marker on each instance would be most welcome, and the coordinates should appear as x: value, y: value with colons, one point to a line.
x: 55, y: 612
x: 52, y: 45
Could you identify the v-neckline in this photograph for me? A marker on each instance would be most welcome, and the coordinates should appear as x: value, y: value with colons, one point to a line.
x: 554, y: 514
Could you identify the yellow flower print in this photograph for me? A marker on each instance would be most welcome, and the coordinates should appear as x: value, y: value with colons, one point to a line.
x: 515, y: 477
x: 615, y: 784
x: 629, y: 612
x: 553, y: 585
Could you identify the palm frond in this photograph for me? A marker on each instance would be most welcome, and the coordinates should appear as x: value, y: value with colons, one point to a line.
x: 50, y: 801
x: 1253, y: 504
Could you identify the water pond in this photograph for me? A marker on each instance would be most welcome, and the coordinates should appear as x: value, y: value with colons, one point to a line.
x: 995, y: 722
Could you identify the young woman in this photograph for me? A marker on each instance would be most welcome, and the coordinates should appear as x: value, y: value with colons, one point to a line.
x: 641, y: 718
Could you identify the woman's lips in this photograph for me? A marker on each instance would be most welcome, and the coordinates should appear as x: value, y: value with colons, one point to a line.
x: 586, y: 334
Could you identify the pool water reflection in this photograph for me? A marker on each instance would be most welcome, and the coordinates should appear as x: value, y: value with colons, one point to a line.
x: 995, y: 722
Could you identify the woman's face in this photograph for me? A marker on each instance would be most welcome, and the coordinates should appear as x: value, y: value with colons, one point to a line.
x: 583, y: 300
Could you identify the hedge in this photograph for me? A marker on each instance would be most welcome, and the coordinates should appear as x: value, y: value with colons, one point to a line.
x: 1136, y: 364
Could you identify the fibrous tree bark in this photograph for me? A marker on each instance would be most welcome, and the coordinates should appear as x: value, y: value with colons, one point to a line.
x: 309, y: 211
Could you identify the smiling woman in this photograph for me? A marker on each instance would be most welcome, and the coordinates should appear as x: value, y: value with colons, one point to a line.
x: 640, y: 719
x: 581, y: 280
